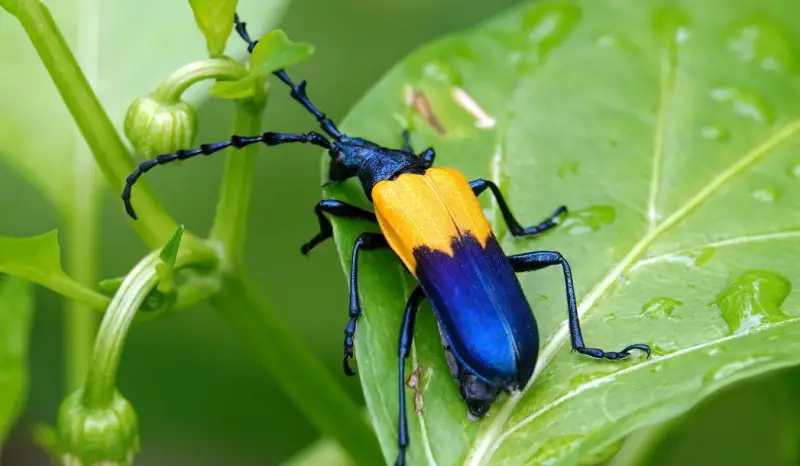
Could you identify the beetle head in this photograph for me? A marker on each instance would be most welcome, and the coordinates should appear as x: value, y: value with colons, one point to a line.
x: 478, y: 394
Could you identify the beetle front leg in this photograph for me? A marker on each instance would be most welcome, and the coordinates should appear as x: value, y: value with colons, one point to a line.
x: 427, y: 156
x: 337, y: 209
x: 479, y: 186
x: 404, y: 349
x: 540, y: 259
x: 367, y: 242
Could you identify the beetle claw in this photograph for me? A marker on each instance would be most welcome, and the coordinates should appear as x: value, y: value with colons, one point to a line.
x: 348, y: 355
x: 639, y: 346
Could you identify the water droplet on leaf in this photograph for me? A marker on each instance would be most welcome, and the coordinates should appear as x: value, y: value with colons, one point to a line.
x: 660, y: 307
x: 734, y: 367
x: 764, y: 43
x: 546, y: 26
x: 671, y: 25
x: 794, y: 171
x: 715, y: 133
x: 745, y: 102
x: 663, y: 349
x: 589, y: 219
x: 755, y: 297
x: 569, y: 166
x: 768, y: 194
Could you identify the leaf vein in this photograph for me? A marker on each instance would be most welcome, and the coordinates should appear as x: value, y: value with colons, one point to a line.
x: 491, y: 437
x: 667, y: 85
x: 613, y: 376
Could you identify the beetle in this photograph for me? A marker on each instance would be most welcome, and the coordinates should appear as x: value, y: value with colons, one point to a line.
x: 432, y: 220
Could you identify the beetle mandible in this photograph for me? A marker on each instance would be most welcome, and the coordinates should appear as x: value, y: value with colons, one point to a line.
x: 431, y: 219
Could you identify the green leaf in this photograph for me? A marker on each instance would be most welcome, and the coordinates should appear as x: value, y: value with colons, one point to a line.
x: 38, y: 260
x: 60, y: 163
x: 238, y: 89
x: 214, y: 19
x: 275, y: 51
x: 16, y: 309
x: 168, y: 256
x: 670, y: 130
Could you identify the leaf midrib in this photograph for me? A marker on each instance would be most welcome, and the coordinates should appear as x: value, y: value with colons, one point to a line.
x: 492, y: 437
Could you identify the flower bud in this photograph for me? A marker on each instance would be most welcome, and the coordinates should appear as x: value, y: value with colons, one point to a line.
x: 102, y: 436
x: 155, y: 127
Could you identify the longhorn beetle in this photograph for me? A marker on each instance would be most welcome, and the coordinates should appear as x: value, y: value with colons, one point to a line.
x: 431, y: 219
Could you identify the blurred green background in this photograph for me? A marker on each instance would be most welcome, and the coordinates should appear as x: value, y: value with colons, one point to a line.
x: 201, y: 397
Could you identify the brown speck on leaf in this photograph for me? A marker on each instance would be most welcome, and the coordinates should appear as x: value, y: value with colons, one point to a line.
x: 414, y: 382
x: 417, y: 100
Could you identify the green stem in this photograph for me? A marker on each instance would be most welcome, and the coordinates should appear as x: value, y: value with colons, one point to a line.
x: 302, y: 377
x: 170, y: 91
x: 233, y: 207
x: 82, y: 263
x: 639, y: 447
x: 101, y: 378
x: 156, y: 225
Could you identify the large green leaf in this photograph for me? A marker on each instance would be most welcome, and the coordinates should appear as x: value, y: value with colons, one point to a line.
x: 125, y: 48
x: 671, y: 130
x: 16, y: 308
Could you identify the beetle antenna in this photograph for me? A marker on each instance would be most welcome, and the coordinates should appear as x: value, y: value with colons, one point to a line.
x: 270, y: 139
x: 298, y: 90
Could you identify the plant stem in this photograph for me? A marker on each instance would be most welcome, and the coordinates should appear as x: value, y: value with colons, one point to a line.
x: 171, y: 89
x: 294, y: 367
x: 156, y: 225
x: 82, y: 258
x: 233, y: 207
x: 101, y: 378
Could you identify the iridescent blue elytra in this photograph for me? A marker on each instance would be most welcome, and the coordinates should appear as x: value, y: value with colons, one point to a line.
x: 481, y: 310
x: 432, y: 221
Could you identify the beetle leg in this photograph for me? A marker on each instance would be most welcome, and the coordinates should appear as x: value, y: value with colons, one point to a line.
x: 404, y: 349
x: 270, y: 139
x: 540, y: 259
x: 426, y: 157
x: 337, y: 209
x: 407, y: 141
x: 368, y: 242
x: 478, y: 186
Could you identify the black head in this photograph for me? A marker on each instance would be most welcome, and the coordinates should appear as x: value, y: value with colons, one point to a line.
x: 478, y: 394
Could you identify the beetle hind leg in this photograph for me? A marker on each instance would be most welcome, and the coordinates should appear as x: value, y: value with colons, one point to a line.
x: 541, y: 259
x: 404, y: 349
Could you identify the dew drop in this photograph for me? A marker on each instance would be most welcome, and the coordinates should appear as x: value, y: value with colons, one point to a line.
x: 660, y: 307
x: 734, y: 367
x: 657, y: 368
x: 547, y: 25
x: 609, y: 317
x: 715, y: 133
x: 566, y: 168
x: 745, y: 102
x: 693, y: 257
x: 755, y: 297
x: 794, y: 171
x: 441, y: 73
x: 671, y: 25
x: 764, y: 43
x: 768, y: 194
x: 589, y: 219
x: 714, y: 351
x: 773, y: 337
x: 663, y: 348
